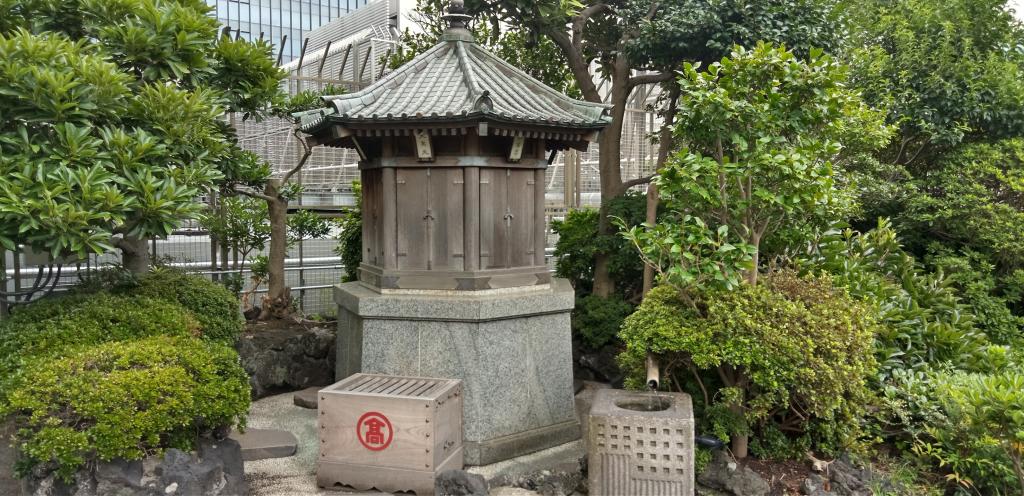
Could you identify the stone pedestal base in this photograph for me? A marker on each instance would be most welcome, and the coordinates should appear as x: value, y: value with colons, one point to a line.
x: 512, y: 350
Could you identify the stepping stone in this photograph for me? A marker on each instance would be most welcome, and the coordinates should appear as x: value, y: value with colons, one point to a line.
x: 260, y: 444
x: 307, y: 398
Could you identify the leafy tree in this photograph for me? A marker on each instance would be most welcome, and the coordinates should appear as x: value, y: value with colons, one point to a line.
x: 240, y: 224
x: 633, y: 43
x: 579, y: 239
x: 110, y: 125
x: 278, y: 192
x: 765, y: 129
x: 948, y: 71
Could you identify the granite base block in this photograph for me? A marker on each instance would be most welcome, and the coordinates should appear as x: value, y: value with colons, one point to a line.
x: 512, y: 351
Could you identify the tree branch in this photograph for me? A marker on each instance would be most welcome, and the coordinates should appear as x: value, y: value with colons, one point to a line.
x: 636, y: 182
x: 302, y: 161
x: 657, y: 77
x: 580, y: 68
x: 253, y: 194
x: 580, y: 20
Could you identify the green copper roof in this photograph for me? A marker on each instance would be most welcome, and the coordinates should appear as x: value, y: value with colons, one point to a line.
x: 457, y: 80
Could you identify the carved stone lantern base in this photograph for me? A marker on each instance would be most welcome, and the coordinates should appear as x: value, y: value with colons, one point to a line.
x: 512, y: 349
x: 640, y: 443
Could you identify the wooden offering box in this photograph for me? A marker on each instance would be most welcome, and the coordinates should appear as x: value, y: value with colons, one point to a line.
x: 390, y: 433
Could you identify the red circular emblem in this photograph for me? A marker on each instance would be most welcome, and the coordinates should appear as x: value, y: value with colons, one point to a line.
x: 370, y: 429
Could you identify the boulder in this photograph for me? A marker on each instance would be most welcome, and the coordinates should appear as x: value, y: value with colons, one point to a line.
x: 815, y: 485
x: 286, y: 356
x: 725, y: 474
x: 214, y: 469
x: 460, y: 483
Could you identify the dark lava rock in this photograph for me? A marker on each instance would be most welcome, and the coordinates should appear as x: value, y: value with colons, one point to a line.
x: 282, y: 356
x: 560, y: 480
x: 460, y: 483
x: 214, y: 469
x: 599, y: 365
x: 815, y: 485
x: 725, y: 474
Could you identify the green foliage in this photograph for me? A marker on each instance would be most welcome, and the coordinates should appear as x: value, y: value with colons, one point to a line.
x: 126, y: 399
x: 674, y: 32
x: 688, y: 254
x: 923, y: 320
x: 981, y: 439
x: 764, y: 130
x: 792, y: 353
x: 306, y: 224
x: 350, y: 236
x: 304, y: 100
x: 44, y: 329
x: 948, y: 71
x: 111, y: 121
x: 240, y: 223
x: 597, y: 320
x: 974, y: 277
x: 971, y: 199
x: 213, y: 306
x: 579, y: 239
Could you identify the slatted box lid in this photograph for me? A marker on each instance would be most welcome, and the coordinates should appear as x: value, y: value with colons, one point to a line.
x: 411, y: 423
x: 390, y: 385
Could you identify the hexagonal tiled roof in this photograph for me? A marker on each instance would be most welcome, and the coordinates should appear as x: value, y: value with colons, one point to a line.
x: 457, y: 80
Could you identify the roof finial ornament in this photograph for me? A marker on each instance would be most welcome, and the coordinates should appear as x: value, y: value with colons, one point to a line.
x: 457, y: 19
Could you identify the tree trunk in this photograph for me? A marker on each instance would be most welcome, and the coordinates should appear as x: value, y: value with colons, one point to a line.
x: 134, y: 254
x: 277, y: 303
x: 755, y: 259
x: 609, y: 164
x: 665, y: 143
x: 651, y: 218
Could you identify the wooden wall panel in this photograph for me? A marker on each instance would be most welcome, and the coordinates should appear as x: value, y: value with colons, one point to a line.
x: 445, y: 228
x: 521, y: 204
x: 494, y: 211
x: 372, y: 202
x: 412, y: 193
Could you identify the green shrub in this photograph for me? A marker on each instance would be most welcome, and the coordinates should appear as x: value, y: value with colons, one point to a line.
x: 597, y: 320
x: 350, y: 239
x: 974, y: 276
x: 791, y: 353
x: 579, y: 241
x: 45, y: 329
x: 923, y: 320
x: 126, y: 399
x: 214, y: 306
x: 981, y: 440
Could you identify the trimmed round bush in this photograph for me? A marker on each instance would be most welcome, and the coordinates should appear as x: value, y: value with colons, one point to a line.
x: 216, y: 308
x: 47, y: 328
x: 126, y: 399
x: 792, y: 355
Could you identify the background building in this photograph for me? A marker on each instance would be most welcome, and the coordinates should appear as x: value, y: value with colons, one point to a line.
x: 284, y: 22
